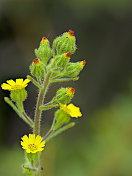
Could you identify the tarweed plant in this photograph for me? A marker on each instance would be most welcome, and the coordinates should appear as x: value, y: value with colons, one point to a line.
x: 51, y: 65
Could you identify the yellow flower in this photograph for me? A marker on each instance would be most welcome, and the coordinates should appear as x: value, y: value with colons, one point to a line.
x: 72, y: 110
x: 32, y: 144
x: 12, y: 85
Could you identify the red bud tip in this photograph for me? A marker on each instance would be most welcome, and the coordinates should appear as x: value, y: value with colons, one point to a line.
x: 36, y: 61
x: 68, y: 54
x: 43, y: 40
x: 71, y: 32
x: 70, y: 91
x: 83, y: 62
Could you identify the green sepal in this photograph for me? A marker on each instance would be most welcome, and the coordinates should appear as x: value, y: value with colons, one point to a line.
x: 33, y: 157
x: 18, y: 95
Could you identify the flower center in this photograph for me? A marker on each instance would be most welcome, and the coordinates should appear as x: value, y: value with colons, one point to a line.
x: 32, y: 147
x: 15, y: 87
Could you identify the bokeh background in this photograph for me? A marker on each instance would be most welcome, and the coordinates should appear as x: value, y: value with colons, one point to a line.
x: 101, y: 142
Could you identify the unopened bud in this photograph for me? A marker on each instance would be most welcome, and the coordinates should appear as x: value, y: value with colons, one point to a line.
x: 65, y: 43
x: 64, y: 95
x: 44, y: 51
x: 61, y: 118
x: 37, y: 69
x: 73, y: 69
x: 62, y: 60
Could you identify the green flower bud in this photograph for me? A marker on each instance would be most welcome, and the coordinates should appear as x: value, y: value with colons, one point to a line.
x: 61, y: 118
x: 65, y: 43
x: 73, y: 69
x: 44, y: 51
x: 64, y: 95
x: 62, y: 60
x: 18, y: 95
x: 37, y: 69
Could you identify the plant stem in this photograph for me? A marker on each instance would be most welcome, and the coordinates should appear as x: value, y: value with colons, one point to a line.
x: 40, y: 101
x: 37, y: 119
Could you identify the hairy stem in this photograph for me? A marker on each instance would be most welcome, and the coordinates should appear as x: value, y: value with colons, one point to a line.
x: 37, y: 119
x: 40, y: 103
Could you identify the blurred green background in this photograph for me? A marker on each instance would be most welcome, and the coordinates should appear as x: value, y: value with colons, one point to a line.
x: 101, y: 142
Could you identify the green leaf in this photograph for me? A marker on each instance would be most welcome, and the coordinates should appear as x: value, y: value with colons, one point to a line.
x: 64, y: 79
x: 22, y: 115
x: 59, y: 131
x: 48, y: 107
x: 34, y: 82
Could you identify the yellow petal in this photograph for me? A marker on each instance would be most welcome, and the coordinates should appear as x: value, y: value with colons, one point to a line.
x: 64, y: 108
x: 6, y: 86
x: 26, y: 81
x: 31, y: 138
x: 38, y: 139
x: 74, y: 111
x: 25, y: 138
x: 11, y: 82
x: 42, y: 144
x: 28, y: 151
x: 19, y: 81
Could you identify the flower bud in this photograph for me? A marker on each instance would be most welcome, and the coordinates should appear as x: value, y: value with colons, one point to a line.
x: 18, y: 95
x: 65, y: 43
x: 62, y: 60
x: 37, y: 69
x: 61, y: 118
x: 73, y: 69
x: 64, y: 95
x: 44, y: 51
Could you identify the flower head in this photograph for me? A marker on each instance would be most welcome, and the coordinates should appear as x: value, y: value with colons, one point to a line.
x: 12, y: 85
x: 70, y: 91
x: 72, y: 110
x: 32, y: 144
